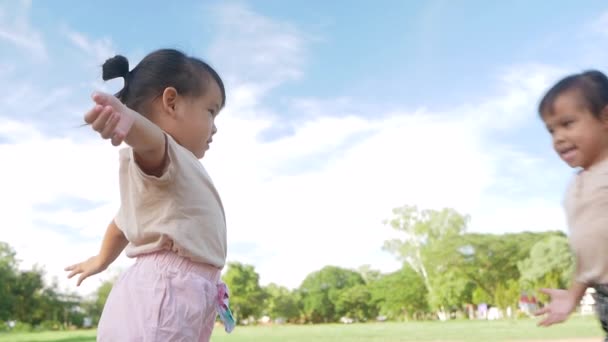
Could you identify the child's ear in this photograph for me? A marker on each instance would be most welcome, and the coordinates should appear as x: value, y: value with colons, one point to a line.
x: 169, y: 99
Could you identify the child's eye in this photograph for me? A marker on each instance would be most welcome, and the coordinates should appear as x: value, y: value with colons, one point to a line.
x: 567, y: 123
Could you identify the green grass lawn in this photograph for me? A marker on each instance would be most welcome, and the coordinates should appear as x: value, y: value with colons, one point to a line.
x: 378, y: 332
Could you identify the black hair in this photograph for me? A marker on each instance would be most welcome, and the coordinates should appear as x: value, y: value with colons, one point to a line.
x: 592, y: 86
x: 157, y: 71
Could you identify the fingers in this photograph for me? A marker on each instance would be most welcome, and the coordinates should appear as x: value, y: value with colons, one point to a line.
x: 76, y: 269
x: 117, y: 139
x: 82, y: 277
x: 105, y: 99
x: 110, y: 126
x: 92, y: 115
x: 544, y: 323
x: 550, y: 320
x: 106, y: 121
x: 542, y: 311
x: 110, y: 117
x: 102, y: 119
x: 548, y: 292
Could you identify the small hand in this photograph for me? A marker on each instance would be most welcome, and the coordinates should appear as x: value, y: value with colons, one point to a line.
x: 111, y: 118
x: 559, y: 308
x: 87, y: 268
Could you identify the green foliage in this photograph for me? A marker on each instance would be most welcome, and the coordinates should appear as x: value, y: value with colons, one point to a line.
x: 8, y: 275
x: 445, y: 268
x: 400, y: 295
x: 22, y: 327
x: 51, y: 326
x: 355, y: 302
x: 507, y: 294
x: 321, y: 290
x: 550, y: 264
x: 427, y: 245
x: 26, y: 293
x: 246, y: 294
x: 369, y: 275
x: 282, y: 303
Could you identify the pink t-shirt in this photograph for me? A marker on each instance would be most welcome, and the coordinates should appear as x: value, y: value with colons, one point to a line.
x: 180, y: 211
x: 586, y: 205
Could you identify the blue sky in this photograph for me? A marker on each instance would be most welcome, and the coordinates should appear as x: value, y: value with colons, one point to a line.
x: 336, y: 113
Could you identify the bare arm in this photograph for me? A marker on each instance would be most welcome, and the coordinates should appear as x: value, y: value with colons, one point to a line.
x: 148, y: 142
x: 114, y: 242
x: 114, y: 120
x: 562, y: 304
x: 577, y: 291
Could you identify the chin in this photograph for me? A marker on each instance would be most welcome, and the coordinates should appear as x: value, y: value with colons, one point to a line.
x: 572, y: 164
x: 200, y: 154
x: 578, y: 165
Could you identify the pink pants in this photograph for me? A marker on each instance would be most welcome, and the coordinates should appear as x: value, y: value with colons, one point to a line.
x: 163, y: 297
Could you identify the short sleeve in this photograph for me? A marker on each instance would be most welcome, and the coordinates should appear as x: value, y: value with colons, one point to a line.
x: 136, y: 173
x: 120, y: 219
x: 134, y: 183
x: 589, y: 226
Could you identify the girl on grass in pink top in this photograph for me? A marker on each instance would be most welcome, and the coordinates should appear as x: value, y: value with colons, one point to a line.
x: 171, y: 218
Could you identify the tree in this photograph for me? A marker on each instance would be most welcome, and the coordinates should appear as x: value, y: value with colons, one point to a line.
x: 369, y: 275
x: 451, y: 290
x: 94, y: 306
x: 355, y: 302
x: 320, y: 292
x: 26, y: 293
x: 8, y: 275
x: 400, y: 294
x: 246, y: 295
x: 25, y: 297
x: 478, y: 263
x: 281, y: 303
x: 550, y: 264
x: 507, y: 294
x: 423, y: 232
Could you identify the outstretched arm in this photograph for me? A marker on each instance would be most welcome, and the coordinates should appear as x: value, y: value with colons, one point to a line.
x: 113, y: 120
x: 114, y: 242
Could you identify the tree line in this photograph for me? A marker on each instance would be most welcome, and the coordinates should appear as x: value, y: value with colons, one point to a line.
x: 445, y: 269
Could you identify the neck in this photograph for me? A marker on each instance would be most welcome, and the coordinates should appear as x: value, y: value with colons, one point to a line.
x: 599, y: 159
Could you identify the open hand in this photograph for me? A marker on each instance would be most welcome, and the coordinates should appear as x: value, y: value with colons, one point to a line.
x: 87, y: 268
x: 561, y: 304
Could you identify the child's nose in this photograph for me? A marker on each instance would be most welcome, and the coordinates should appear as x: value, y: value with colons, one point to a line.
x: 558, y: 138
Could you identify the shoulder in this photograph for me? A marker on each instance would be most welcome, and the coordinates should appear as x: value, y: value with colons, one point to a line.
x: 177, y: 150
x: 571, y: 187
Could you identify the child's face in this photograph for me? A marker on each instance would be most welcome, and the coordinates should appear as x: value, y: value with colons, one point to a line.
x: 579, y: 138
x: 196, y: 125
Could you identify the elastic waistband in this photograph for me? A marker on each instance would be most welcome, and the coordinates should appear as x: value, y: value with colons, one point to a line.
x: 170, y: 261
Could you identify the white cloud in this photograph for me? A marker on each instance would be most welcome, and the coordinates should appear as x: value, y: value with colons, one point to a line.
x: 97, y: 49
x: 350, y: 172
x: 330, y: 212
x: 302, y: 201
x: 253, y: 48
x: 519, y: 88
x: 43, y: 170
x: 15, y: 28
